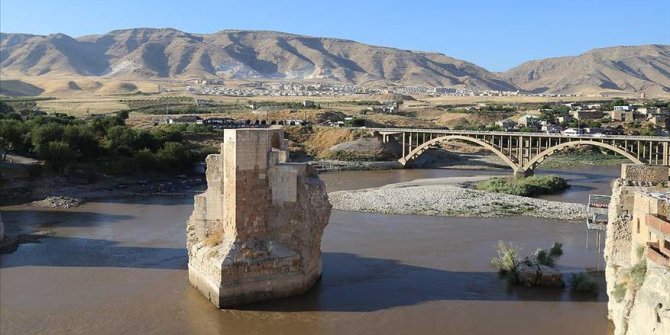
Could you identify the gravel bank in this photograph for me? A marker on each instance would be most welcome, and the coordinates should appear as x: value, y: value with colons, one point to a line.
x: 58, y: 202
x: 449, y: 200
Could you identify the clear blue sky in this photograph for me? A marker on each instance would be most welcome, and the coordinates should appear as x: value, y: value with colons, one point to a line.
x: 495, y: 34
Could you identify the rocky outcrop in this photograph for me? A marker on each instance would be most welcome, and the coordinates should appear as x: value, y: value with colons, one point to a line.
x: 636, y: 305
x: 255, y: 234
x: 533, y: 275
x: 58, y: 202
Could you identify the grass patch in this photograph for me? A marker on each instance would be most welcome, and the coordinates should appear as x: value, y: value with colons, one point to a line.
x: 508, y: 258
x: 581, y: 282
x: 619, y: 292
x: 530, y: 186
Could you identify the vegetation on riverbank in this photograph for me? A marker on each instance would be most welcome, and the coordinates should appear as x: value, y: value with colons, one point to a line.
x: 103, y: 144
x: 587, y: 156
x: 530, y: 186
x: 515, y: 269
x: 583, y: 283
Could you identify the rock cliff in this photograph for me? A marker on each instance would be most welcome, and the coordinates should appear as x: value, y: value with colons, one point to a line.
x: 638, y: 288
x: 255, y: 234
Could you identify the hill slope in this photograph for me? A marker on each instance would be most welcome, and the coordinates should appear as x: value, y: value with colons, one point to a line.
x: 643, y: 68
x: 168, y: 53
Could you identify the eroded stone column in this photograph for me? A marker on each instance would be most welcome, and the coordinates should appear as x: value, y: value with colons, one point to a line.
x: 255, y: 234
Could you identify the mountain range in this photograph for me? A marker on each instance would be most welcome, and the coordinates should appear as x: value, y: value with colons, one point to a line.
x: 147, y: 53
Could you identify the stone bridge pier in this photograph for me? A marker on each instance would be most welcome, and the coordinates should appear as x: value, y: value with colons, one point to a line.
x: 255, y: 234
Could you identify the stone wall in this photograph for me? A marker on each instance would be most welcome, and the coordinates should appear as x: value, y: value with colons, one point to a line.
x: 643, y: 309
x: 641, y: 173
x: 255, y: 234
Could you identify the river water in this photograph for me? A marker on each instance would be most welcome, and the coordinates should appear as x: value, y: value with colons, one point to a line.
x: 119, y: 267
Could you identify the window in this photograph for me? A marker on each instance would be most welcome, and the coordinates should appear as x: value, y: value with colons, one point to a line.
x: 638, y: 225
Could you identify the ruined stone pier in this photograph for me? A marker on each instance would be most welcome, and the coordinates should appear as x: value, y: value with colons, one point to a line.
x: 255, y: 234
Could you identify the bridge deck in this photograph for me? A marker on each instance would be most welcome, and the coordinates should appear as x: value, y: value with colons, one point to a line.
x: 393, y: 131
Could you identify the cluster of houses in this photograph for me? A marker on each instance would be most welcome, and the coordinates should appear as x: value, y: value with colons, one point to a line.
x: 279, y: 89
x: 388, y: 107
x: 612, y: 120
x: 228, y: 123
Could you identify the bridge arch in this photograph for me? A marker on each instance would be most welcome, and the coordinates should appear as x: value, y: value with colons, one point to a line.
x: 444, y: 139
x: 537, y: 159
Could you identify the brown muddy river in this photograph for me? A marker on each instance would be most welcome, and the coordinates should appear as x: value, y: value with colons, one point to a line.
x: 119, y: 267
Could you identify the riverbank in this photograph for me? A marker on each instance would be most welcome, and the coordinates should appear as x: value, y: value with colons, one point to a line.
x: 446, y: 197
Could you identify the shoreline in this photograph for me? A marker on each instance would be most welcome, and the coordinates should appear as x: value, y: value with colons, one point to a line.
x: 448, y: 198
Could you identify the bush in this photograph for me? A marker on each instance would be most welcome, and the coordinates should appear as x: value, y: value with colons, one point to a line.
x: 122, y: 139
x: 619, y: 292
x: 46, y: 133
x: 550, y: 257
x: 58, y: 155
x: 82, y: 139
x: 145, y: 160
x: 637, y: 273
x: 174, y: 158
x: 530, y: 186
x: 581, y: 282
x: 11, y: 136
x: 508, y: 258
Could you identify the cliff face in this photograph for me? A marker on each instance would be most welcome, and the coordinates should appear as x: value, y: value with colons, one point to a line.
x: 639, y: 300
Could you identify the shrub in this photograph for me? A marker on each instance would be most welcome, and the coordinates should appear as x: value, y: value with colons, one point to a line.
x: 581, y: 282
x: 549, y: 258
x: 508, y: 258
x: 619, y: 292
x: 11, y: 136
x: 58, y: 155
x: 122, y: 139
x: 46, y: 133
x: 637, y: 273
x: 82, y: 139
x: 145, y: 160
x: 639, y: 251
x: 530, y: 186
x: 174, y: 157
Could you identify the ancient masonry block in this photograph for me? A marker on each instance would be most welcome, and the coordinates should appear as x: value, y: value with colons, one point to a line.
x: 255, y: 234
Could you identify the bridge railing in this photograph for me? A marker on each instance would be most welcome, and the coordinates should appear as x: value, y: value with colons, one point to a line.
x: 536, y: 134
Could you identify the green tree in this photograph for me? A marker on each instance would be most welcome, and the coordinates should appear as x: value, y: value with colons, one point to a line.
x: 45, y: 133
x: 145, y: 160
x: 122, y: 139
x: 58, y: 155
x: 82, y: 138
x: 11, y: 137
x: 174, y: 157
x: 5, y: 108
x: 146, y: 140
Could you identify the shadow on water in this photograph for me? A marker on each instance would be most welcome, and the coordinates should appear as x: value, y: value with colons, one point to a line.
x: 83, y: 252
x: 351, y: 283
x: 23, y: 218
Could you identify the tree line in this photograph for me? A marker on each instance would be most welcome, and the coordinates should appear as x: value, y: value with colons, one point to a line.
x: 103, y: 142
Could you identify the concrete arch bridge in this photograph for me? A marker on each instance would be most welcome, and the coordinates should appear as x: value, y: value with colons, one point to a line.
x: 523, y: 152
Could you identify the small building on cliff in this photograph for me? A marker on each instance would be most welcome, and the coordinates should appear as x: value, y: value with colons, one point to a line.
x: 651, y: 226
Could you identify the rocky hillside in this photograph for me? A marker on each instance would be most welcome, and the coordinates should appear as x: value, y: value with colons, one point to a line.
x: 169, y: 53
x: 643, y: 68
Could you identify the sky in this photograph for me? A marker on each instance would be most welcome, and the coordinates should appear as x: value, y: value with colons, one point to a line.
x: 497, y: 35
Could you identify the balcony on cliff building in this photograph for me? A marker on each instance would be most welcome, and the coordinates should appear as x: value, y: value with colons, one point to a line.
x: 659, y: 254
x: 659, y: 226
